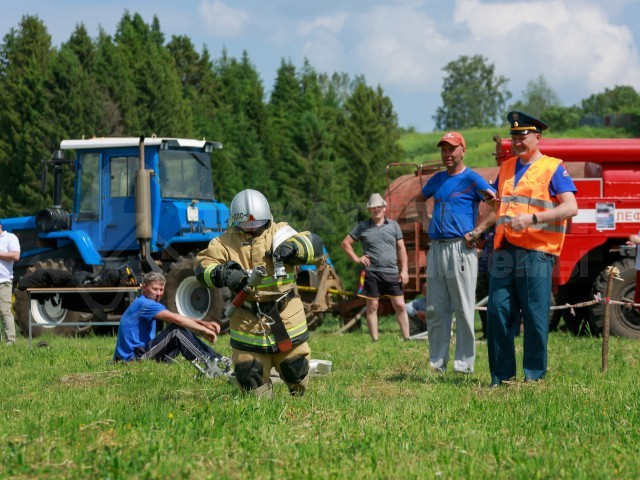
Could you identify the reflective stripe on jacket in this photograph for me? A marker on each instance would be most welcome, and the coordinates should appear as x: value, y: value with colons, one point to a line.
x: 250, y: 335
x: 530, y: 195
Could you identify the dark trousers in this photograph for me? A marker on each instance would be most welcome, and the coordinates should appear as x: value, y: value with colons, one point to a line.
x: 174, y: 340
x: 520, y: 287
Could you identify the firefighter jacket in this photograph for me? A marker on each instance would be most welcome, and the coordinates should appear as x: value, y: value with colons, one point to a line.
x: 530, y: 195
x: 247, y: 332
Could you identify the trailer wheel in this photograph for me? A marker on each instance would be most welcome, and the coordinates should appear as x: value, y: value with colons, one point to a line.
x: 184, y: 294
x: 624, y: 321
x: 49, y: 311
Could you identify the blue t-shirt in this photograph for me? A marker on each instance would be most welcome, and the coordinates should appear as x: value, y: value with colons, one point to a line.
x: 455, y: 202
x: 561, y: 181
x: 137, y: 327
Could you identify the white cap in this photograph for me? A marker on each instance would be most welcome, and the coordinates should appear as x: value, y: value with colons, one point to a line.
x: 376, y: 200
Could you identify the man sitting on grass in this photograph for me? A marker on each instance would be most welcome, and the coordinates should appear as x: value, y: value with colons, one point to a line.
x: 137, y: 339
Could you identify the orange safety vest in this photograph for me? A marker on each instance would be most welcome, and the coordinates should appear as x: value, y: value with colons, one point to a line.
x: 530, y: 195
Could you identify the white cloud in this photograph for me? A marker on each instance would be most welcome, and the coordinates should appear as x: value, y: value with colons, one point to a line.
x: 321, y: 42
x: 222, y: 20
x: 392, y: 45
x: 400, y: 46
x: 333, y: 24
x: 404, y: 45
x: 325, y: 52
x: 578, y: 50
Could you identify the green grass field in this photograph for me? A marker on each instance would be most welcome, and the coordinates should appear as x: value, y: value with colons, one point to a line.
x: 381, y: 413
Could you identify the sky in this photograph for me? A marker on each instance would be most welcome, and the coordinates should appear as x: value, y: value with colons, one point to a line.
x: 580, y: 47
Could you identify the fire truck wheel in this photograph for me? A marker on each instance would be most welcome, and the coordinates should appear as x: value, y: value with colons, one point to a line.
x: 184, y: 294
x: 624, y: 321
x: 49, y: 311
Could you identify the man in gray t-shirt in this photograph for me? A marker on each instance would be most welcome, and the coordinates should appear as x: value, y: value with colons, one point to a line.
x: 383, y: 248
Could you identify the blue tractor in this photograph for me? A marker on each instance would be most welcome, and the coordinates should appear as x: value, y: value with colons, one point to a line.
x: 144, y: 203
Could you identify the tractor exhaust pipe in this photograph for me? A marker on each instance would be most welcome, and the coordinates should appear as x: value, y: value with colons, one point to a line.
x: 55, y: 218
x: 143, y: 210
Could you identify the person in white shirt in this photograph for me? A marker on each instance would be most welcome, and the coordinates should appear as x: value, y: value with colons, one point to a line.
x: 9, y: 253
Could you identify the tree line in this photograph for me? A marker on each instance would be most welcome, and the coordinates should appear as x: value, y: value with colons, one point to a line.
x: 316, y: 148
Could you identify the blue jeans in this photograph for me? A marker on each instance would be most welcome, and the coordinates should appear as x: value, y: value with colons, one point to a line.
x: 520, y: 284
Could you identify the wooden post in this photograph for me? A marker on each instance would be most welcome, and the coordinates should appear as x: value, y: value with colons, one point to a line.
x: 605, y: 326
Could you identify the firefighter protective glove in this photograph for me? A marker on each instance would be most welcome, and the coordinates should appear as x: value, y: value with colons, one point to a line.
x: 286, y: 252
x: 235, y: 279
x: 229, y: 275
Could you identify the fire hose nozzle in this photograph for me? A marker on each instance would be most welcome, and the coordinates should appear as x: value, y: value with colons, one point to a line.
x: 254, y: 278
x: 256, y: 275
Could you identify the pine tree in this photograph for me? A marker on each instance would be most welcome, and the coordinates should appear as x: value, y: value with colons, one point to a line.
x: 283, y: 112
x: 140, y: 76
x: 368, y: 139
x: 239, y: 118
x: 26, y: 118
x: 81, y: 104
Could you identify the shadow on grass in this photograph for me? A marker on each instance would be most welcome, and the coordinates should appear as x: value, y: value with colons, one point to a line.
x: 453, y: 378
x: 404, y: 377
x: 450, y: 378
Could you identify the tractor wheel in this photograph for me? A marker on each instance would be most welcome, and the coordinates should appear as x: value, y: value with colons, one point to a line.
x: 49, y: 311
x: 624, y: 321
x: 185, y: 295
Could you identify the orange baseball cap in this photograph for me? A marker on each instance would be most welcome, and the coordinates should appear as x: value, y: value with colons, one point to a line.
x: 452, y: 138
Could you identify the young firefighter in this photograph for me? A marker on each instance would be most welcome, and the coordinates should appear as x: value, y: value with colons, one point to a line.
x: 270, y: 328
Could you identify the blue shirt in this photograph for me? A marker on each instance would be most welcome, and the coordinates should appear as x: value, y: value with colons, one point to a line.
x: 137, y: 327
x: 455, y: 202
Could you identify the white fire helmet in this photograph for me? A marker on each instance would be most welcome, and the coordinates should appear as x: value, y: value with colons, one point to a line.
x: 249, y: 211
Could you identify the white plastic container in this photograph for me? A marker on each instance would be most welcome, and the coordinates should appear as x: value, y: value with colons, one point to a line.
x: 320, y: 367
